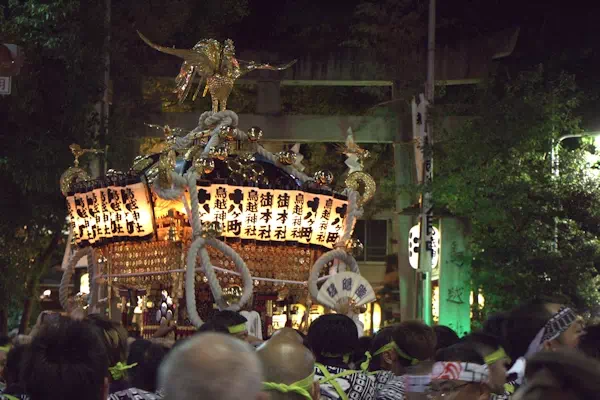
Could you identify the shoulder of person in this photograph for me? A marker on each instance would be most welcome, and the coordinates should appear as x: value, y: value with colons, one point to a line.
x: 393, y: 389
x: 383, y: 376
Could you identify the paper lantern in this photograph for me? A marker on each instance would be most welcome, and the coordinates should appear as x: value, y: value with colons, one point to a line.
x: 111, y: 213
x: 414, y: 242
x: 273, y: 214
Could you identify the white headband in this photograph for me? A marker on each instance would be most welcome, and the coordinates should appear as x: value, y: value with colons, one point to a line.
x: 460, y: 371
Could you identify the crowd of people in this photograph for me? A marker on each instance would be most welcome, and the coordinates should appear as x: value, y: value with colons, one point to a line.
x: 540, y: 350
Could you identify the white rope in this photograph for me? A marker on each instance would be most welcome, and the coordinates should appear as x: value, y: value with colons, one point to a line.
x: 287, y: 168
x: 336, y: 254
x: 198, y: 248
x: 91, y: 268
x: 190, y: 290
x: 208, y: 119
x: 63, y: 290
x: 67, y: 253
x: 241, y: 268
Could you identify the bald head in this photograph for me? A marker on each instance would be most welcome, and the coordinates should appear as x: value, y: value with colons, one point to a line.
x: 211, y: 366
x: 287, y: 334
x: 286, y: 360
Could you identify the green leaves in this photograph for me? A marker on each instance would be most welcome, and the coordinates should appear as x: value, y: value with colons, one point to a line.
x: 496, y: 172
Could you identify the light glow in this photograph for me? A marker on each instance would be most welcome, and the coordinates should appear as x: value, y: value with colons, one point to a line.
x: 110, y: 213
x: 84, y: 284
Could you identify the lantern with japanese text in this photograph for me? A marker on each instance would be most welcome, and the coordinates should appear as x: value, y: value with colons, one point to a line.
x: 414, y: 242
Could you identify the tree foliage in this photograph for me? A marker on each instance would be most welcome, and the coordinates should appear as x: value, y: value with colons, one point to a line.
x: 51, y: 106
x: 495, y: 171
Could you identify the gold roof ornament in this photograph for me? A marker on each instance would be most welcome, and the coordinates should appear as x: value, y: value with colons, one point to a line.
x: 214, y: 62
x: 75, y: 174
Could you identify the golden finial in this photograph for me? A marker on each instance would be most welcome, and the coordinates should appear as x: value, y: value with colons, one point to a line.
x: 214, y: 62
x: 75, y: 174
x: 78, y: 152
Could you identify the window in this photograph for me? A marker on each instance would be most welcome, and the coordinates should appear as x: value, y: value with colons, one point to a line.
x: 373, y: 234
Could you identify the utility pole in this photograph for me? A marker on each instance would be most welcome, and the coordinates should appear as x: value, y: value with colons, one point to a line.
x: 426, y: 247
x: 98, y: 162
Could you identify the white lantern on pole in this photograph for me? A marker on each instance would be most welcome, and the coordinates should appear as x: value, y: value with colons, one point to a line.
x: 414, y: 240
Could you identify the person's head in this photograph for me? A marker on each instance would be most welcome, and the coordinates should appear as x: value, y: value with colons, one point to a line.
x: 413, y: 342
x: 563, y: 374
x: 459, y: 373
x: 213, y: 326
x: 289, y: 370
x: 541, y: 325
x: 113, y: 335
x: 66, y: 361
x: 12, y: 368
x: 492, y: 351
x: 360, y: 353
x: 382, y: 358
x: 589, y: 343
x: 495, y: 324
x: 288, y: 334
x: 147, y: 356
x: 235, y: 323
x: 212, y: 366
x: 333, y: 338
x: 445, y: 336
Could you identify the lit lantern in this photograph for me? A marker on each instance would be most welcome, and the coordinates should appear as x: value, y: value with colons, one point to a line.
x: 111, y: 213
x: 413, y: 246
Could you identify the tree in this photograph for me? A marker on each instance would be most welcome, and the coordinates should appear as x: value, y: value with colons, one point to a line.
x: 52, y: 106
x: 495, y: 172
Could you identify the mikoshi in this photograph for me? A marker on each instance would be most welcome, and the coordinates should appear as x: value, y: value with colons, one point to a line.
x: 213, y: 208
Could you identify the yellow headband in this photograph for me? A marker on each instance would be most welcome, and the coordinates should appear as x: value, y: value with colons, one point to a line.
x: 390, y: 346
x: 302, y: 387
x: 364, y: 366
x: 118, y: 371
x: 6, y: 348
x: 498, y: 355
x: 237, y: 328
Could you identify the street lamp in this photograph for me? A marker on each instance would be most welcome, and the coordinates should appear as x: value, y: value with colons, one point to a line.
x: 556, y: 144
x: 556, y: 167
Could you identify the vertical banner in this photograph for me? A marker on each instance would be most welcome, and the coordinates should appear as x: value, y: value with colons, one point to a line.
x: 420, y: 124
x: 281, y: 214
x: 235, y: 212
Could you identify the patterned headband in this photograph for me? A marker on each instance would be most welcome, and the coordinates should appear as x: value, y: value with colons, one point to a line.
x: 460, y: 371
x: 559, y: 323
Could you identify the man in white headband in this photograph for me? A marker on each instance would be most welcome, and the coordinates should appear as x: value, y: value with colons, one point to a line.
x: 535, y: 327
x: 460, y: 373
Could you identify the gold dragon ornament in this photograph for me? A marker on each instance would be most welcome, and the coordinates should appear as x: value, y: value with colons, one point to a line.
x: 214, y: 62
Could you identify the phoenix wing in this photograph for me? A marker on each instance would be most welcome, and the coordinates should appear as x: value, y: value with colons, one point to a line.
x: 248, y: 66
